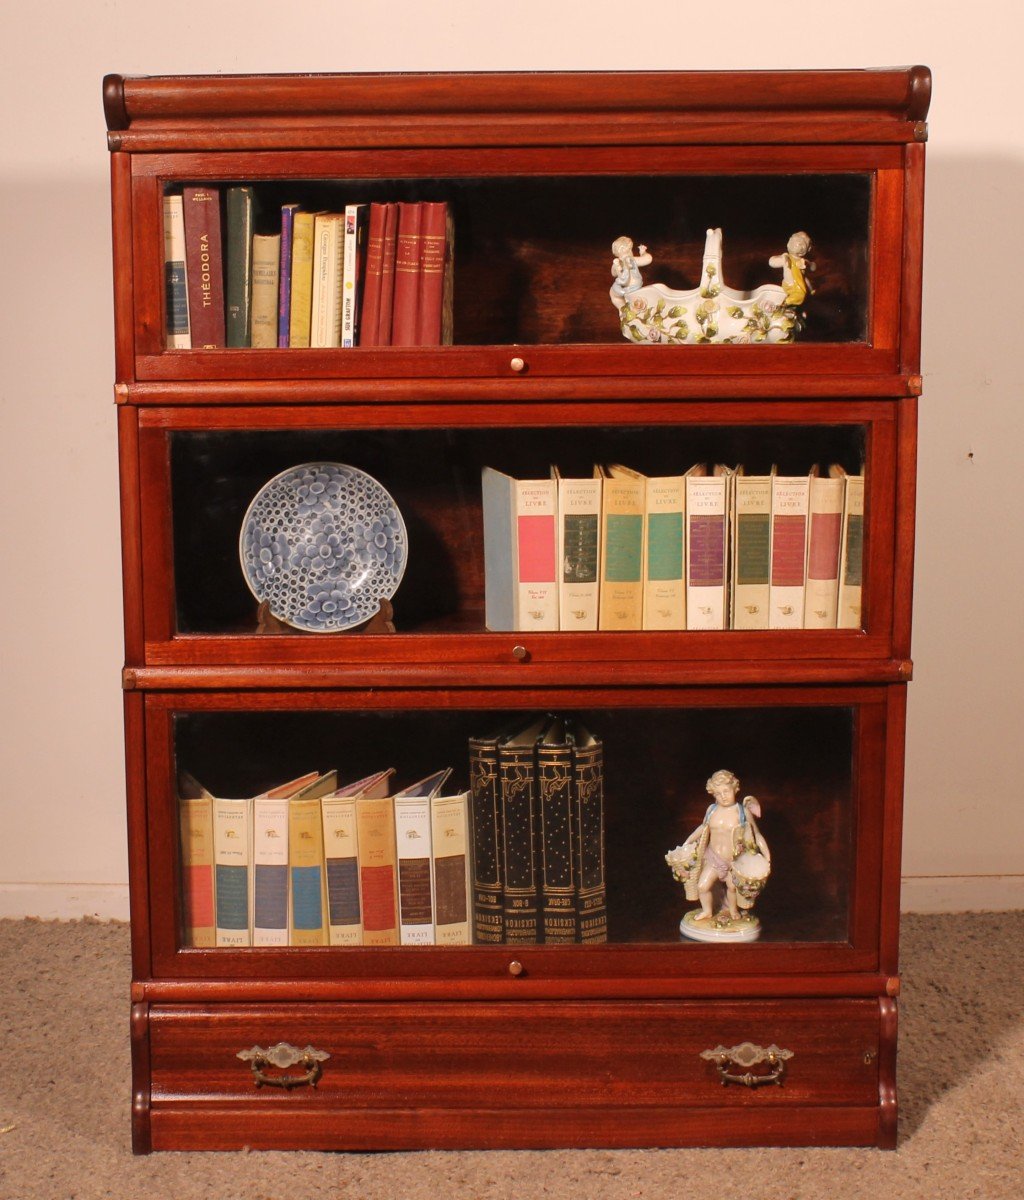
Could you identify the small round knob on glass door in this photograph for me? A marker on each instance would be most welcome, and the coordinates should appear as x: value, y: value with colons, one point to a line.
x: 518, y: 364
x: 521, y: 653
x: 515, y: 968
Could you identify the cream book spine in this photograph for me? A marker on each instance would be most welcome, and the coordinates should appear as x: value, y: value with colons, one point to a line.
x: 328, y: 249
x: 415, y: 886
x: 824, y: 538
x: 378, y: 890
x: 664, y: 576
x: 790, y: 498
x: 266, y: 281
x: 307, y: 924
x: 270, y: 872
x: 579, y: 551
x: 707, y: 499
x: 537, y: 581
x: 232, y: 856
x: 751, y: 551
x: 301, y: 305
x: 341, y: 855
x: 179, y: 336
x: 852, y: 556
x: 196, y: 817
x: 449, y: 837
x: 621, y: 604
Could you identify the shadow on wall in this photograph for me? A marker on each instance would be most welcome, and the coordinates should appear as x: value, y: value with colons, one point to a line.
x: 964, y: 702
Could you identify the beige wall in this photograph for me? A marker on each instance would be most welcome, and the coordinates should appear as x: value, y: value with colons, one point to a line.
x: 62, y: 851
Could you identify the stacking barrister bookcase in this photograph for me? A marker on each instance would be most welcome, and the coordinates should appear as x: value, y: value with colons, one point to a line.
x: 624, y: 1042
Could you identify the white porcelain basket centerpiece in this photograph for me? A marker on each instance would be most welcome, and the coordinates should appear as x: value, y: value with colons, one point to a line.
x: 713, y: 312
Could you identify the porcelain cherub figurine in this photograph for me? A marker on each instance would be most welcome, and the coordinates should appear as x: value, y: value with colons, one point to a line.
x: 725, y: 859
x: 794, y: 264
x: 626, y: 266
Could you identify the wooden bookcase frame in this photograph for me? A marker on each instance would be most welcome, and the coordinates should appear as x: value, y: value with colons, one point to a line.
x: 413, y: 1034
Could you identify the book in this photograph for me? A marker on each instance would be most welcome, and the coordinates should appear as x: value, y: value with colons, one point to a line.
x: 232, y: 857
x: 341, y: 856
x: 621, y: 600
x: 589, y: 837
x: 414, y: 856
x: 579, y: 543
x: 270, y: 871
x: 517, y: 774
x: 707, y: 497
x: 435, y: 274
x: 266, y: 269
x: 851, y: 556
x: 450, y: 843
x: 307, y: 889
x: 485, y: 823
x: 301, y: 306
x: 204, y: 266
x: 824, y: 535
x: 520, y: 548
x: 369, y: 314
x: 176, y: 325
x: 750, y: 555
x: 284, y: 298
x: 790, y: 496
x: 387, y: 280
x: 664, y: 574
x: 238, y: 217
x: 378, y: 880
x: 405, y: 306
x: 353, y: 269
x: 328, y: 252
x: 556, y: 836
x: 195, y: 817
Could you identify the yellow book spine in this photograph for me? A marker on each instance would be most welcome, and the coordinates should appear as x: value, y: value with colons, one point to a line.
x: 302, y: 280
x: 307, y: 920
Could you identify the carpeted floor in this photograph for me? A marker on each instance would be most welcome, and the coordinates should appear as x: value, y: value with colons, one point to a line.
x: 64, y: 1095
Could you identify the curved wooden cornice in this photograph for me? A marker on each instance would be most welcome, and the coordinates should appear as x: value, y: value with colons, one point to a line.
x: 267, y: 112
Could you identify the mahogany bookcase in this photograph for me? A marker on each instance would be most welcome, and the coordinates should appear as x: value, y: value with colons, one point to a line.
x: 490, y: 1046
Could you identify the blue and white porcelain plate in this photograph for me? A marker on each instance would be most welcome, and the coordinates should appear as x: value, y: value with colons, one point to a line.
x: 323, y: 544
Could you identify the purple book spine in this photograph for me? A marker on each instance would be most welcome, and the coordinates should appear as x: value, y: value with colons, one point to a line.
x: 284, y: 307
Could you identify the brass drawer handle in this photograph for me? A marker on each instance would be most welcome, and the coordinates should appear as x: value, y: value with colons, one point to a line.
x: 748, y: 1055
x: 283, y: 1056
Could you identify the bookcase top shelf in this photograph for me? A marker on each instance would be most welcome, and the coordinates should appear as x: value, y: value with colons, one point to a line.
x: 245, y: 112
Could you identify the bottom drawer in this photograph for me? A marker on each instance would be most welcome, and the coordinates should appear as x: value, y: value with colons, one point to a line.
x: 376, y: 1075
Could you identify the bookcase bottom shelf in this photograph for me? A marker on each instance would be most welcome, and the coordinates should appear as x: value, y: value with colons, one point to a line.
x: 546, y: 1074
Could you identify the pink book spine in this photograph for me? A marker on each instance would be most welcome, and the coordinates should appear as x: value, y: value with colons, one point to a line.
x: 823, y: 554
x: 536, y: 549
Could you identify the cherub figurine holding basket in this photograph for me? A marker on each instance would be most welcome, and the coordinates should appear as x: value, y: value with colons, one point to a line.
x: 724, y: 856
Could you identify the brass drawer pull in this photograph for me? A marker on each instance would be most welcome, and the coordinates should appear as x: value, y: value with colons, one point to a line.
x: 748, y: 1055
x: 283, y: 1056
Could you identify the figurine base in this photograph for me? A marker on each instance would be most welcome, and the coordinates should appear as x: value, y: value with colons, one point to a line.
x: 720, y: 928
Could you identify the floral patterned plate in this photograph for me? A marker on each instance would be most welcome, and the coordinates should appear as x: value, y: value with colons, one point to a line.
x: 323, y: 544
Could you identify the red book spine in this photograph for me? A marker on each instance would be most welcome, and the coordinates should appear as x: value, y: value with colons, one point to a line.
x: 199, y: 896
x: 433, y: 239
x: 387, y: 281
x: 204, y: 266
x: 369, y: 317
x: 407, y: 276
x: 788, y: 551
x: 378, y: 895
